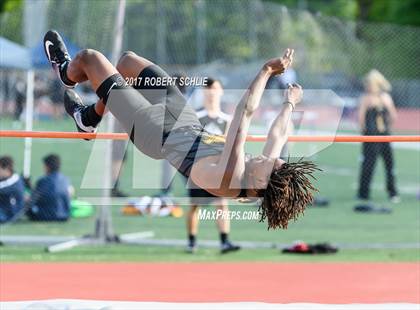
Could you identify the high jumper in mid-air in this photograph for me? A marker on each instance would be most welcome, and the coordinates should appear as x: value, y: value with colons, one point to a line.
x: 163, y: 126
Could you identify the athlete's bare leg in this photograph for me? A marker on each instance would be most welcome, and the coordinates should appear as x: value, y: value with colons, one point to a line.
x: 93, y: 66
x: 223, y: 221
x: 192, y: 220
x: 90, y: 64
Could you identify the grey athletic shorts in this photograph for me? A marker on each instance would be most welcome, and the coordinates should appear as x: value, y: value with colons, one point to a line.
x: 149, y: 112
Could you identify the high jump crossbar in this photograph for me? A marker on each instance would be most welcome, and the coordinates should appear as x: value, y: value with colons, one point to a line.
x: 250, y: 138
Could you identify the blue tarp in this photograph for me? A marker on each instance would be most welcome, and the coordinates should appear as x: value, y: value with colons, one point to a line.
x: 14, y: 56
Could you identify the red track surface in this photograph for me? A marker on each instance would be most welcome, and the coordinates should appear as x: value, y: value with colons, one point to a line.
x: 213, y: 282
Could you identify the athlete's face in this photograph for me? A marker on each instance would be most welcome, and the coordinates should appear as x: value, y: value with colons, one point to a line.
x: 259, y: 170
x: 214, y: 93
x: 4, y: 172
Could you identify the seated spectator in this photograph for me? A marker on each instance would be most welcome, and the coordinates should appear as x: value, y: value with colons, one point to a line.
x: 11, y: 191
x: 50, y: 201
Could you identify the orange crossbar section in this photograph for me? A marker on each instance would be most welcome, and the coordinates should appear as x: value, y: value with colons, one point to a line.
x: 252, y: 138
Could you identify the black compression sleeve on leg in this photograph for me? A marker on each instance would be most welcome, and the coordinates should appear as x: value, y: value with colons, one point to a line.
x: 191, y: 240
x: 90, y: 117
x: 223, y: 238
x: 63, y: 74
x: 115, y: 81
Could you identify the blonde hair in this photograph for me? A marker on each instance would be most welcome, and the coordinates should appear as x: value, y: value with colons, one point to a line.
x: 374, y: 79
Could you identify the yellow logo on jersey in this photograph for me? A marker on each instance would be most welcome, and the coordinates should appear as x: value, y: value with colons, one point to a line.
x: 210, y: 139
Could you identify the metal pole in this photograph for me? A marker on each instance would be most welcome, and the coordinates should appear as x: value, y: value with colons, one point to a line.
x: 119, y: 32
x: 28, y: 122
x: 34, y: 25
x: 104, y: 222
x: 201, y: 32
x: 82, y: 15
x: 161, y: 33
x: 253, y: 10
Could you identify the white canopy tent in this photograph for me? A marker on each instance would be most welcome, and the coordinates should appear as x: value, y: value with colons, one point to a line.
x: 13, y: 55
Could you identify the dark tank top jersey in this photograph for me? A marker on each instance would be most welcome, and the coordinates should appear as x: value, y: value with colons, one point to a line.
x: 183, y: 146
x: 377, y: 121
x: 187, y: 144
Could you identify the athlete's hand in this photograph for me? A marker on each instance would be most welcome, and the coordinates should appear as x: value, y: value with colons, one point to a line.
x: 293, y: 94
x: 279, y: 65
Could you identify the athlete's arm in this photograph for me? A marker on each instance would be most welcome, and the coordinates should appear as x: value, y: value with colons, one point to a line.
x: 389, y: 104
x: 232, y: 159
x: 279, y: 130
x: 228, y: 123
x: 222, y: 176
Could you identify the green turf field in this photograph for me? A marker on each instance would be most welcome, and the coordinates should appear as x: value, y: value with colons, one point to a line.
x: 336, y: 224
x: 124, y: 253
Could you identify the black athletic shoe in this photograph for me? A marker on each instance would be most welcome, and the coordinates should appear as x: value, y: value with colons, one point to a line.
x: 229, y: 247
x: 74, y: 107
x: 58, y: 56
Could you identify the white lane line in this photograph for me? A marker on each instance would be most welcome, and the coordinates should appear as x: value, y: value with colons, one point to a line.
x: 73, y: 304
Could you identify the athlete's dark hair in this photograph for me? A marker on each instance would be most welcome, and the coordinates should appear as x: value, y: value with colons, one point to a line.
x: 53, y: 162
x: 6, y: 162
x: 211, y: 81
x: 288, y: 192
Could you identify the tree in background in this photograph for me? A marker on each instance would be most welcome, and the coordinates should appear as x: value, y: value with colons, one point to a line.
x: 11, y: 19
x: 9, y: 5
x: 404, y: 12
x: 332, y: 36
x: 390, y: 11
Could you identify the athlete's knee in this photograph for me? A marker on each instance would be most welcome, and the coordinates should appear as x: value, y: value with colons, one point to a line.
x: 87, y: 56
x: 126, y: 58
x: 128, y: 54
x: 130, y: 60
